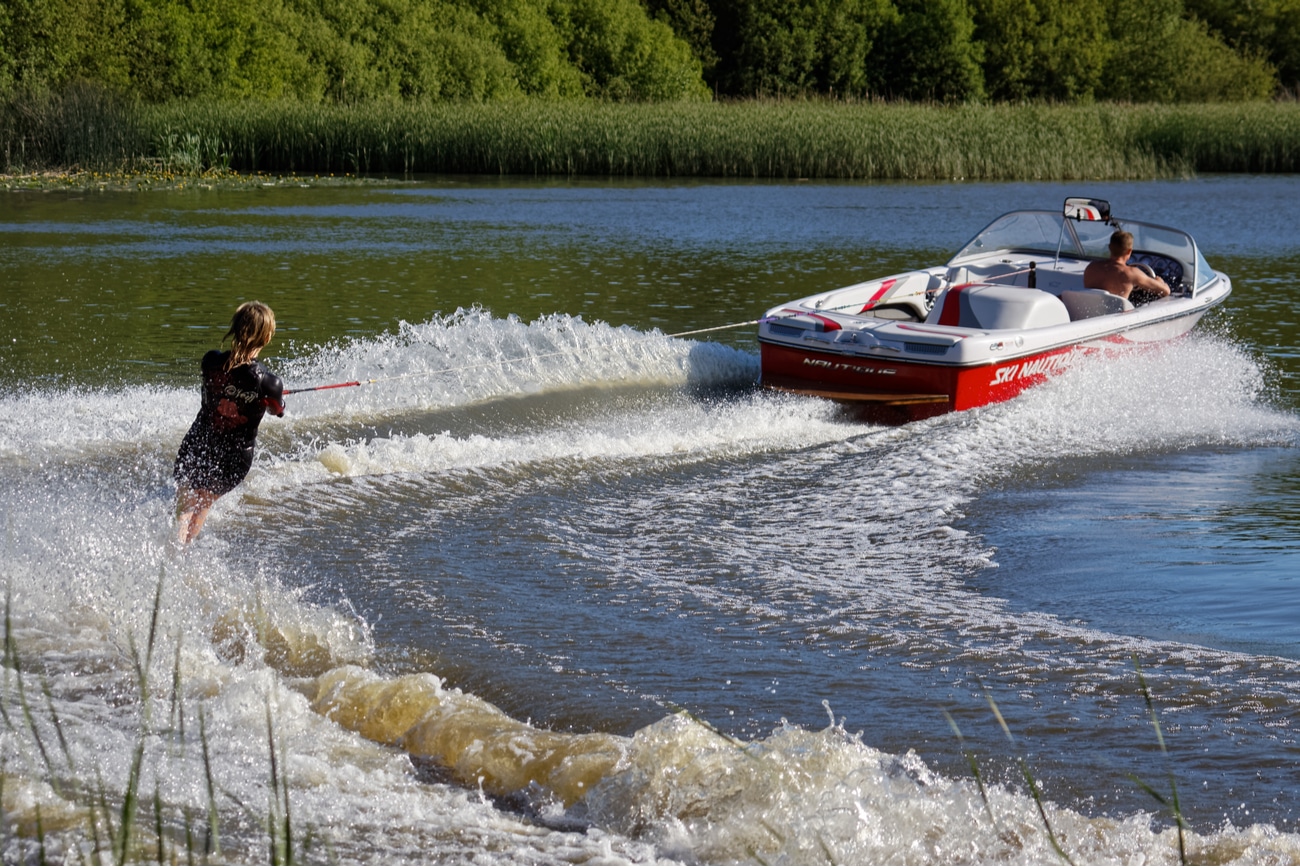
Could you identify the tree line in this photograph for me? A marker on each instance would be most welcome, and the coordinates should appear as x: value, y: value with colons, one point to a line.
x: 999, y: 50
x: 350, y: 51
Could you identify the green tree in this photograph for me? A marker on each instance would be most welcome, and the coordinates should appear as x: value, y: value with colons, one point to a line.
x: 224, y: 48
x: 621, y: 53
x: 51, y: 43
x: 930, y: 53
x: 1042, y: 49
x: 534, y: 46
x: 402, y: 49
x: 779, y: 48
x: 347, y: 50
x: 847, y: 33
x: 7, y: 62
x: 1268, y: 26
x: 1162, y: 56
x: 438, y: 50
x: 329, y: 36
x: 693, y: 21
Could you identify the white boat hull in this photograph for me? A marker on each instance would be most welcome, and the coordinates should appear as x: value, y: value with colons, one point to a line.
x: 919, y: 344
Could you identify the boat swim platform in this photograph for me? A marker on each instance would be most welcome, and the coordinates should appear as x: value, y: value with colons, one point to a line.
x: 857, y: 397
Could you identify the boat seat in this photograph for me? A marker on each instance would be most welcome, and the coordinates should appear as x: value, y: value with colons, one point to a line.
x: 1087, y: 303
x: 1047, y: 276
x: 1057, y: 281
x: 991, y: 306
x: 898, y: 297
x: 1003, y: 273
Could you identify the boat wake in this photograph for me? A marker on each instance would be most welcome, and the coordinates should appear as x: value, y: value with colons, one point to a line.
x: 457, y: 361
x: 203, y: 680
x: 471, y: 356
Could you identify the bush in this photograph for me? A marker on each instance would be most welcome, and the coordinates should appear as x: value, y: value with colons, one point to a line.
x: 347, y: 50
x: 1160, y: 56
x: 929, y: 53
x: 1042, y: 49
x: 775, y: 48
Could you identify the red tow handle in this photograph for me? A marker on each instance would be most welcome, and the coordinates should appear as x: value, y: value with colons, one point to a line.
x: 320, y: 387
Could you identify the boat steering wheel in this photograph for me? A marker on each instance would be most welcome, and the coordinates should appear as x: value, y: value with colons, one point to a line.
x: 1160, y: 266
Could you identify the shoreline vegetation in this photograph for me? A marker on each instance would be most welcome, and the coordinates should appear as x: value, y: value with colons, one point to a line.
x: 86, y: 139
x: 163, y: 92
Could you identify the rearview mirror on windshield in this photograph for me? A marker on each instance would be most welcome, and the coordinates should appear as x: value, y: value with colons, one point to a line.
x: 1092, y: 210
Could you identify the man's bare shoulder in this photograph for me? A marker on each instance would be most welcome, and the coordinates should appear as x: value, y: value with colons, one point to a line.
x: 1110, y: 276
x: 1104, y: 269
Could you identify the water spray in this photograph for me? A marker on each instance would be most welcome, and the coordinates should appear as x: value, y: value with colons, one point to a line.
x: 359, y: 382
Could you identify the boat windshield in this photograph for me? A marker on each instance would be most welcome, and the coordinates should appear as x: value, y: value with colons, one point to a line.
x: 1041, y: 232
x: 1176, y: 245
x: 1022, y: 231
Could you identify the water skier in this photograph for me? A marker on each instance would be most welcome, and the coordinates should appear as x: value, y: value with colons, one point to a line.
x: 217, y: 452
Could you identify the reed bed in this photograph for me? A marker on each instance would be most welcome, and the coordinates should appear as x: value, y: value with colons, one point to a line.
x: 740, y: 140
x: 872, y: 141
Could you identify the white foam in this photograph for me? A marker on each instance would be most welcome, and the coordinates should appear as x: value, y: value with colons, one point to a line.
x: 83, y: 582
x: 86, y: 545
x: 811, y: 797
x: 865, y: 528
x: 80, y: 421
x: 454, y: 361
x: 471, y: 356
x: 676, y: 428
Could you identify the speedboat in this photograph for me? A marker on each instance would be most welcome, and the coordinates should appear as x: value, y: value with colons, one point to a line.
x: 1005, y: 313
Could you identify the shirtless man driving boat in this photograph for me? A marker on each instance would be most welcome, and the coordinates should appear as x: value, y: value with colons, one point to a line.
x: 1118, y: 277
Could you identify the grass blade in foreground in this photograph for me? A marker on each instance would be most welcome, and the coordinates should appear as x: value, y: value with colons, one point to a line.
x: 1172, y: 802
x: 1029, y: 780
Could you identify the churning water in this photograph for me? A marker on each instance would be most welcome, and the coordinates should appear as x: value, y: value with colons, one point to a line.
x: 559, y: 587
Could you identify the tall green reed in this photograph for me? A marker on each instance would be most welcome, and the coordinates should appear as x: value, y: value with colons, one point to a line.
x: 1171, y: 802
x: 1168, y: 801
x: 1032, y: 784
x: 131, y: 797
x: 973, y: 763
x: 212, y: 840
x: 279, y: 818
x: 83, y: 126
x: 755, y: 139
x: 118, y: 822
x: 749, y: 140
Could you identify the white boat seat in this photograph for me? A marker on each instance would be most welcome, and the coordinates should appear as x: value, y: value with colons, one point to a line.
x: 991, y: 306
x: 1057, y: 281
x: 898, y: 297
x: 1087, y: 303
x: 1003, y: 273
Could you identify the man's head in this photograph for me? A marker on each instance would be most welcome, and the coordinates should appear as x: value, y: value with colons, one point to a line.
x: 1121, y: 243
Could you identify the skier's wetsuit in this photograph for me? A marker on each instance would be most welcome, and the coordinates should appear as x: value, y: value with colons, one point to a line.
x: 217, y: 452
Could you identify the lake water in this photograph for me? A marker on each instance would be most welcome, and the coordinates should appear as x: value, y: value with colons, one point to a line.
x: 562, y: 587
